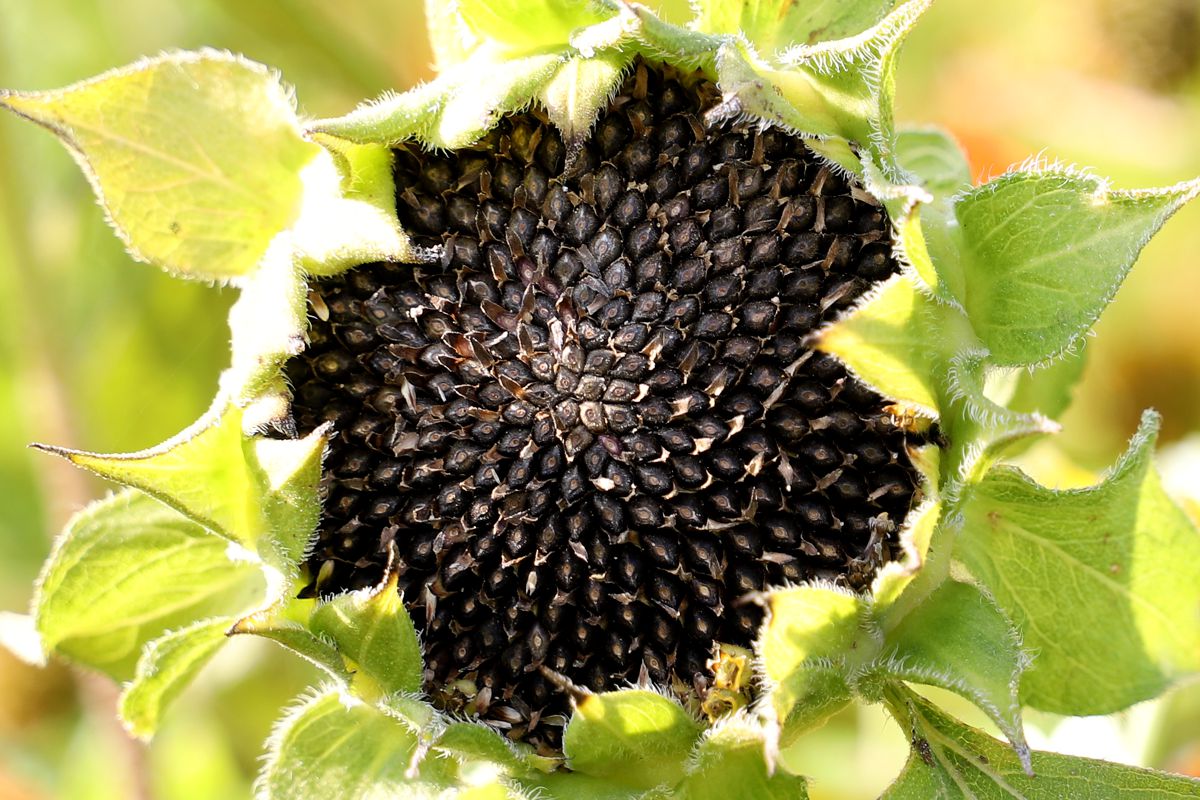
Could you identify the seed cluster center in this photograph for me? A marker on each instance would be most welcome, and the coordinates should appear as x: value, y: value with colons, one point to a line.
x: 591, y: 426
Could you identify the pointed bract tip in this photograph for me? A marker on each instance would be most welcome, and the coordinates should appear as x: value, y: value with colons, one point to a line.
x: 391, y: 576
x: 20, y: 103
x: 1025, y: 755
x: 55, y: 450
x: 253, y: 623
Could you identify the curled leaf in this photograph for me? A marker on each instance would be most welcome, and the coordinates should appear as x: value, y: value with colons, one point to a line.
x: 1103, y: 583
x: 1044, y: 251
x: 771, y: 25
x: 935, y: 158
x: 958, y: 640
x: 580, y: 89
x: 258, y: 493
x: 530, y: 25
x: 901, y: 342
x: 281, y: 624
x: 731, y: 761
x: 348, y: 213
x: 202, y: 472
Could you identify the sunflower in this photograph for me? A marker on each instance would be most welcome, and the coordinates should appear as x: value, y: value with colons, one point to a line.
x: 610, y: 411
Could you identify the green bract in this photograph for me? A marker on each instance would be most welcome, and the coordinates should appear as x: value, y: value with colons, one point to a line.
x: 1010, y: 594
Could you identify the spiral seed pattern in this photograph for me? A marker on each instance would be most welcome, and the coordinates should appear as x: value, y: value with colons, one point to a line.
x: 591, y: 425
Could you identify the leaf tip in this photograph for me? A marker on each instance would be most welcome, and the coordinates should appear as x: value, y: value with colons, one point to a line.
x: 1180, y: 194
x: 55, y: 450
x: 388, y: 587
x: 251, y: 623
x: 1143, y: 439
x: 93, y: 462
x: 23, y: 104
x: 1025, y: 756
x: 136, y: 727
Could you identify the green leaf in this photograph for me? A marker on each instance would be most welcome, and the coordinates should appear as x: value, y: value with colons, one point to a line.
x: 898, y: 341
x: 647, y: 734
x: 1103, y: 583
x: 980, y: 430
x: 806, y: 646
x: 895, y: 577
x: 289, y: 497
x: 951, y: 761
x: 484, y: 92
x: 937, y: 160
x: 664, y: 36
x: 1043, y: 391
x: 392, y: 118
x: 491, y: 791
x: 420, y: 717
x: 525, y: 26
x: 168, y: 664
x: 279, y: 623
x: 195, y: 156
x: 563, y: 785
x: 923, y: 354
x: 796, y: 98
x: 838, y: 152
x: 843, y: 89
x: 570, y: 56
x: 126, y: 570
x: 1044, y: 252
x: 203, y: 473
x: 731, y: 761
x: 333, y: 747
x: 239, y: 487
x: 925, y: 225
x: 467, y: 742
x: 574, y: 97
x: 373, y: 632
x: 958, y: 640
x: 772, y: 25
x: 926, y: 238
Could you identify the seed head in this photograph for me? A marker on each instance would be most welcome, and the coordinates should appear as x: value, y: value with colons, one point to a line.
x: 592, y: 427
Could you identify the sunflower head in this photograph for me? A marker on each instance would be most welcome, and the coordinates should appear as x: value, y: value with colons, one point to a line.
x: 608, y: 412
x: 593, y: 423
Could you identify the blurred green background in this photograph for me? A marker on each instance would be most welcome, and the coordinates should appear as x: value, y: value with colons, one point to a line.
x: 104, y: 354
